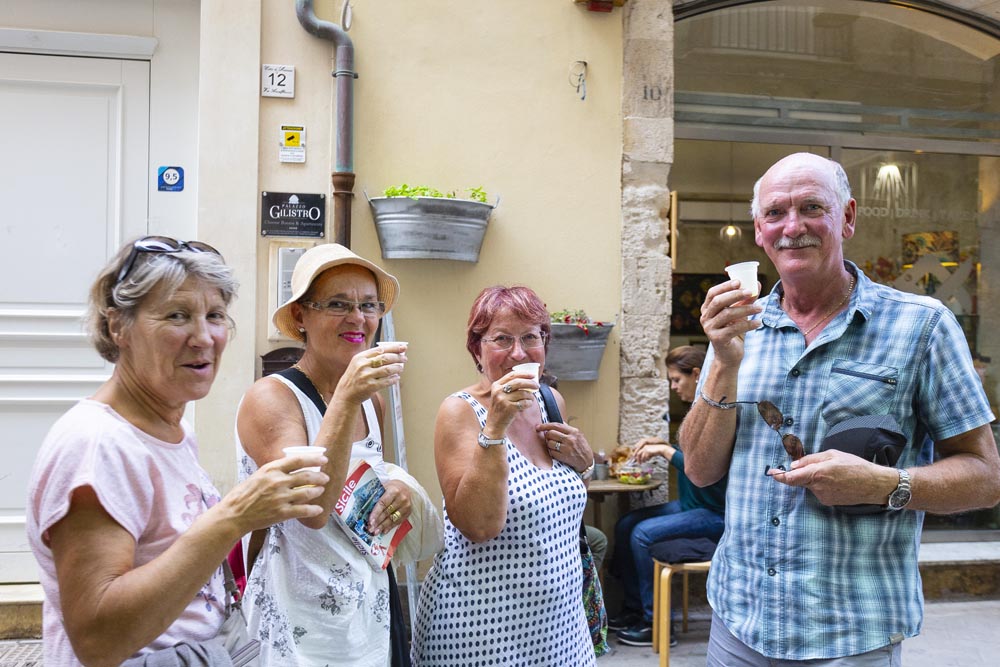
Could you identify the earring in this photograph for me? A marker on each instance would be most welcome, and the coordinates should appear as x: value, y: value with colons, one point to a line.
x: 302, y: 329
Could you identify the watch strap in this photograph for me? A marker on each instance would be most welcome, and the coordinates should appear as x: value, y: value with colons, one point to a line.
x: 486, y: 443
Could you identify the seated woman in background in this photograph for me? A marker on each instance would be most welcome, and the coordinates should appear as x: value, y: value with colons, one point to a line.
x: 507, y: 589
x: 697, y: 513
x: 128, y: 529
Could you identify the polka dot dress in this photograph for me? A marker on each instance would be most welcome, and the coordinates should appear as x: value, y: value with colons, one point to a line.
x: 516, y: 599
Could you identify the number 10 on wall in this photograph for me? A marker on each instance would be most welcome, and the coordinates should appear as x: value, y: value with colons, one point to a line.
x: 277, y: 80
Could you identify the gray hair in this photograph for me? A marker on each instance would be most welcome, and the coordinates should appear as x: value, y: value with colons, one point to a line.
x: 150, y: 271
x: 841, y: 186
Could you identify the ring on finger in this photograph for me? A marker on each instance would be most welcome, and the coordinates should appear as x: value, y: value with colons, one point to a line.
x: 395, y: 516
x: 390, y: 509
x: 377, y: 362
x: 507, y: 388
x: 557, y: 446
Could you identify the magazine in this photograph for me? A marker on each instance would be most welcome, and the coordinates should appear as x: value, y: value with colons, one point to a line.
x: 361, y: 491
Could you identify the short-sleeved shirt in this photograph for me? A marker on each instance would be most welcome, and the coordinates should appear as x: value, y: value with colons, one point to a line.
x: 793, y: 578
x: 154, y: 489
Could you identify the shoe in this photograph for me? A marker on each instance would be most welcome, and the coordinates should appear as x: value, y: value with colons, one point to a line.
x: 673, y: 637
x: 640, y: 634
x: 624, y: 620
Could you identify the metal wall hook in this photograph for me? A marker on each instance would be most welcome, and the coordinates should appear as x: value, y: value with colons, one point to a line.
x: 346, y: 15
x: 578, y: 77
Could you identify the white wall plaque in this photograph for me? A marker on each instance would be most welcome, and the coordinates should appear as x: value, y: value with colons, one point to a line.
x: 277, y: 80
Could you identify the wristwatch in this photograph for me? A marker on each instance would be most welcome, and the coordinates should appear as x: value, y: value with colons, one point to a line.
x: 899, y: 498
x: 586, y: 474
x: 486, y: 443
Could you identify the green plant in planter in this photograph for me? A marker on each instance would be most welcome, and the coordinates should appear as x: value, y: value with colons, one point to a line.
x: 413, y: 191
x: 577, y: 317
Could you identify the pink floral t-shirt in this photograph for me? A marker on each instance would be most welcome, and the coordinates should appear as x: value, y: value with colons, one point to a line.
x: 153, y: 489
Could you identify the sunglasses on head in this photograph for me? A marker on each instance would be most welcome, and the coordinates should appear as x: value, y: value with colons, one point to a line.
x: 161, y: 244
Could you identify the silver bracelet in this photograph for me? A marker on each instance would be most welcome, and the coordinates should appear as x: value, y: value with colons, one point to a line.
x: 722, y: 405
x: 588, y: 473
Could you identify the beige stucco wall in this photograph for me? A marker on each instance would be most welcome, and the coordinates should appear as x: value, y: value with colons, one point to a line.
x: 489, y: 106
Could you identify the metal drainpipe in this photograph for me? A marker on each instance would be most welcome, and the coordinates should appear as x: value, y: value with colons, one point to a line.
x: 343, y: 171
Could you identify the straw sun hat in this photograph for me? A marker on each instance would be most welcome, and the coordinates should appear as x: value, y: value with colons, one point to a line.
x: 315, y: 261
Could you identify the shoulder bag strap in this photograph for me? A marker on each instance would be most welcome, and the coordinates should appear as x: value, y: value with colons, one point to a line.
x: 305, y: 385
x: 549, y: 399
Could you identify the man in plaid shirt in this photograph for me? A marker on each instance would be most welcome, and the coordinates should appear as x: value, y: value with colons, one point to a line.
x: 796, y: 577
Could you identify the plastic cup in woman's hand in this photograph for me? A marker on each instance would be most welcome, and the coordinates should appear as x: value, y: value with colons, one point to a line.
x: 530, y: 367
x: 308, y: 451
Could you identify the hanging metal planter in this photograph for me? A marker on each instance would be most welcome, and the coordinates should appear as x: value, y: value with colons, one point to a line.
x: 575, y: 354
x: 430, y: 227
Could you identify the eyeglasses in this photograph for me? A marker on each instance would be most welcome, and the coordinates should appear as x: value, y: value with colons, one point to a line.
x: 528, y: 341
x: 161, y: 244
x: 341, y: 307
x: 772, y: 415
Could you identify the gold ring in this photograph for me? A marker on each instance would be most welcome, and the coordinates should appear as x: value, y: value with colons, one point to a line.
x: 395, y: 516
x: 377, y: 362
x: 390, y: 508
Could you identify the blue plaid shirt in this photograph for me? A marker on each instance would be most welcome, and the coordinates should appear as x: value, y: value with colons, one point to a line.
x: 795, y: 579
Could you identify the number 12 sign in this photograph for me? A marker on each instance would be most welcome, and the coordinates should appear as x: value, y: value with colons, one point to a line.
x: 277, y: 80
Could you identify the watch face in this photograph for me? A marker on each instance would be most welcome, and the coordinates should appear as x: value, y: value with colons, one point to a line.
x: 899, y: 498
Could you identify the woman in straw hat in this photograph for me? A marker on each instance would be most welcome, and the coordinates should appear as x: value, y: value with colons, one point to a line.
x: 312, y: 597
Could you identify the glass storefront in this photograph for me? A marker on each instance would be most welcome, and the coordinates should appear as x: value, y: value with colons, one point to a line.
x: 907, y: 101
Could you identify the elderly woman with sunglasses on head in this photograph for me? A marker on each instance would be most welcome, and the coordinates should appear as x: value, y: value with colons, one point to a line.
x: 128, y: 529
x: 507, y: 589
x: 313, y: 598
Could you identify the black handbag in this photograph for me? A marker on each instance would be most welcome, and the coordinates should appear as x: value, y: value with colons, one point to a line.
x: 593, y: 594
x: 875, y: 438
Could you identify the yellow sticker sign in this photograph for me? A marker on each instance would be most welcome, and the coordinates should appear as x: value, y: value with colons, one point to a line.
x: 293, y: 144
x: 291, y: 135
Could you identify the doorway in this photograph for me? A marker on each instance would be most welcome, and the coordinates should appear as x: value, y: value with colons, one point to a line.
x: 73, y: 181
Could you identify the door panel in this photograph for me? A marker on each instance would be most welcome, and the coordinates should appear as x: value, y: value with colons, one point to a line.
x: 73, y: 180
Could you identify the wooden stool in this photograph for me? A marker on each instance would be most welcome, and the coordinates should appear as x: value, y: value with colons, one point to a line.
x: 662, y: 573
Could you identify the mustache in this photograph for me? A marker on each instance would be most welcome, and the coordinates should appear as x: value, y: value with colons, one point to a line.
x: 804, y: 241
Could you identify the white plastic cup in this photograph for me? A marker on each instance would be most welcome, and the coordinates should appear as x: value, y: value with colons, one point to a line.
x: 308, y: 450
x: 391, y: 343
x: 746, y: 273
x: 531, y: 367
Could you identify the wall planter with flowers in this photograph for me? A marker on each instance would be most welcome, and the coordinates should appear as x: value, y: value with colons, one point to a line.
x: 417, y: 222
x: 576, y: 345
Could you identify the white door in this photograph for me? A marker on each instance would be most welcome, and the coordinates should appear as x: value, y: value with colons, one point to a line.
x: 74, y: 136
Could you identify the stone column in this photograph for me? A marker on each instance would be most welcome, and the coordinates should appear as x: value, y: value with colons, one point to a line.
x: 646, y: 269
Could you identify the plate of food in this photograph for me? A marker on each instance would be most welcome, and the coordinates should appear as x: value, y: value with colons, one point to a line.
x: 634, y: 473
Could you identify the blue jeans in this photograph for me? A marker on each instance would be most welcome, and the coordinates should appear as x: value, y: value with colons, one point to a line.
x: 638, y: 530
